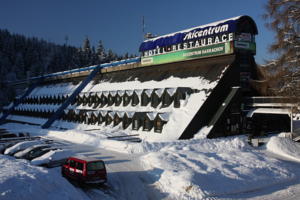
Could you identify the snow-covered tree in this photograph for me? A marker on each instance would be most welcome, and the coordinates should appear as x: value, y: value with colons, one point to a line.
x: 101, y: 54
x: 284, y: 19
x: 87, y: 52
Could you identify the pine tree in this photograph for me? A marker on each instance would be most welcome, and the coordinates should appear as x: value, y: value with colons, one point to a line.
x: 100, y: 52
x: 284, y: 20
x: 86, y: 52
x: 111, y: 56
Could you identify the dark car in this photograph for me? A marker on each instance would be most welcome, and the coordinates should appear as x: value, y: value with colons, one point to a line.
x: 84, y: 170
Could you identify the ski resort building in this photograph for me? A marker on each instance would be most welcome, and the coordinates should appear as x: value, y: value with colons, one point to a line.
x: 192, y: 81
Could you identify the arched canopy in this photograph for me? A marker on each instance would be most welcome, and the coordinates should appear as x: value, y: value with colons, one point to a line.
x: 240, y: 24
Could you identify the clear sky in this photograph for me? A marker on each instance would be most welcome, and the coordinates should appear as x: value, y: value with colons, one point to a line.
x: 118, y: 23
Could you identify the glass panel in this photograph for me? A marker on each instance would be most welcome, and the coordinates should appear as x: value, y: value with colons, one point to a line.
x: 72, y: 163
x: 79, y: 166
x: 95, y: 166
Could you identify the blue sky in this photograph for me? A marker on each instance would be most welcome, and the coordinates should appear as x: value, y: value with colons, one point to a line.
x: 118, y: 23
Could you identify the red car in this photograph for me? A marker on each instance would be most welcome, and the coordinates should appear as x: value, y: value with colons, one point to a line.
x: 84, y: 170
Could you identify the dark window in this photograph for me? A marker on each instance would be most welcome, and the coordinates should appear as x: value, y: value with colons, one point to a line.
x: 145, y: 99
x: 79, y: 166
x: 72, y: 163
x: 158, y: 126
x: 136, y: 124
x: 92, y: 166
x: 147, y: 125
x: 166, y: 99
x: 135, y: 99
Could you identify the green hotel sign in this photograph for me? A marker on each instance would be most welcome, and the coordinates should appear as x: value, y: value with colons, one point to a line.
x: 188, y: 54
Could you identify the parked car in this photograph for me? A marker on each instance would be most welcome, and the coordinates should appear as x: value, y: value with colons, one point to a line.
x: 4, y: 146
x: 35, y: 149
x: 84, y: 170
x: 21, y: 146
x: 35, y: 154
x: 53, y: 158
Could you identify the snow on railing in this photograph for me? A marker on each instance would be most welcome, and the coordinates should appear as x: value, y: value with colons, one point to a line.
x: 105, y: 65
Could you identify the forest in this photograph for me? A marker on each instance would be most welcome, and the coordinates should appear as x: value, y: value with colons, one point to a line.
x: 22, y: 57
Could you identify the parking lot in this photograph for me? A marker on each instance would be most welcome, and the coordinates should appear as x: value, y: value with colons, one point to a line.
x: 125, y: 177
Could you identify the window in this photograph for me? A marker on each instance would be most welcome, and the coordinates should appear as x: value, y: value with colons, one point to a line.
x: 72, y: 163
x: 136, y: 124
x: 79, y: 166
x: 93, y: 166
x: 147, y: 125
x: 135, y: 100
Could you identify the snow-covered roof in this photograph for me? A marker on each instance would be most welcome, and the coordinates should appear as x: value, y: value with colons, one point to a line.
x: 121, y: 92
x: 164, y: 116
x: 120, y: 113
x: 171, y: 91
x: 151, y: 115
x: 268, y: 111
x: 86, y: 94
x: 96, y: 113
x: 99, y: 93
x: 66, y: 111
x: 190, y: 29
x: 138, y: 92
x: 81, y: 95
x: 148, y: 92
x: 113, y: 93
x: 159, y: 92
x: 130, y: 114
x: 103, y: 112
x: 111, y: 114
x: 76, y: 111
x: 223, y: 26
x: 105, y: 93
x: 89, y: 113
x: 129, y: 92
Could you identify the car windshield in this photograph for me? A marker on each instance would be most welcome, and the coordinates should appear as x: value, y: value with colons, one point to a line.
x: 92, y: 166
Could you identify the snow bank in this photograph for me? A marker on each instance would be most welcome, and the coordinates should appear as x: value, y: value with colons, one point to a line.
x: 20, y: 180
x: 202, y: 168
x: 284, y: 147
x: 197, y: 168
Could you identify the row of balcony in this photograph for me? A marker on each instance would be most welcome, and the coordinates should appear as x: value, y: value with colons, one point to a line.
x: 154, y: 97
x: 100, y: 99
x: 145, y: 121
x: 137, y: 120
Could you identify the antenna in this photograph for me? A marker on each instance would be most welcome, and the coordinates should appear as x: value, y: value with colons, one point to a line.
x: 146, y: 35
x: 143, y: 26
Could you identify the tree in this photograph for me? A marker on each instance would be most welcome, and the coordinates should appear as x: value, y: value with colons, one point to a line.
x: 284, y: 16
x: 284, y: 20
x: 101, y: 54
x: 87, y: 52
x: 111, y: 56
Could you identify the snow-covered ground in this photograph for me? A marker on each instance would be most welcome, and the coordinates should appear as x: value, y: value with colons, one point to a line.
x: 224, y: 168
x: 20, y: 180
